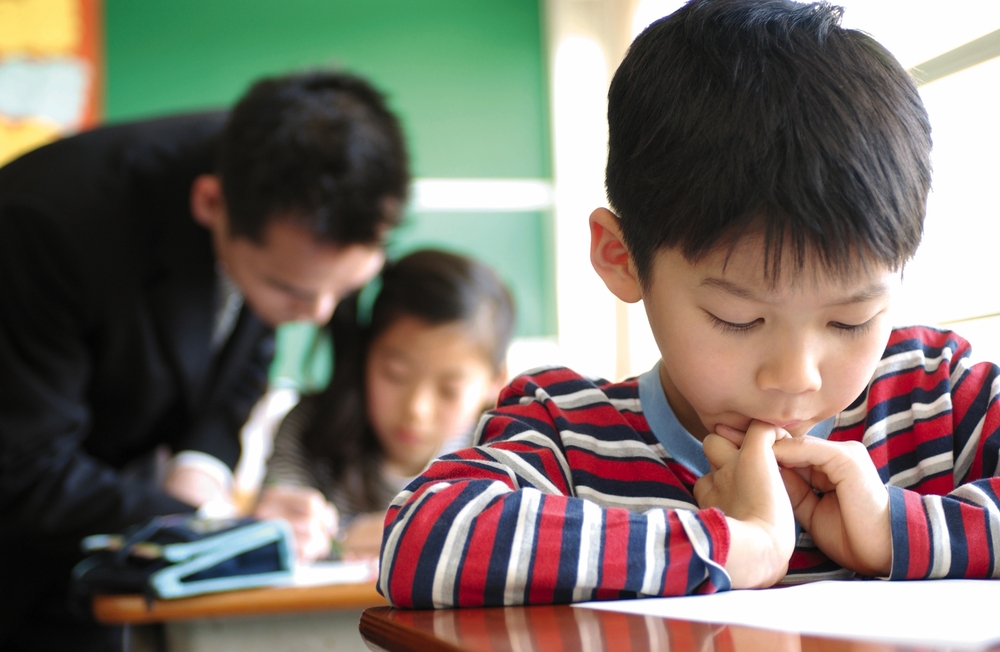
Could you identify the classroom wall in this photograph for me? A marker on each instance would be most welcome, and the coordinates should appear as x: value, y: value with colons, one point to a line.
x: 467, y: 78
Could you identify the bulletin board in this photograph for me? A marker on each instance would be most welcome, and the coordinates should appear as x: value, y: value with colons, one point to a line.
x: 51, y: 71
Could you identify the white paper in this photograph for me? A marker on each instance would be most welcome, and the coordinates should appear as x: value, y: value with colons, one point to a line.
x: 334, y: 572
x: 960, y: 614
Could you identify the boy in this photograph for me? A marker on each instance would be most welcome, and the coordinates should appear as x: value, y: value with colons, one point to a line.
x: 768, y: 171
x: 142, y: 269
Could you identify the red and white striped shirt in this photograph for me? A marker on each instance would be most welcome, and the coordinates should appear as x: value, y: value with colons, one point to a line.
x: 570, y: 496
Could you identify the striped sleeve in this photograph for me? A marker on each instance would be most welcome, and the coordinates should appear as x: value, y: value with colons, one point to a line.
x: 938, y: 452
x: 289, y: 462
x: 527, y: 516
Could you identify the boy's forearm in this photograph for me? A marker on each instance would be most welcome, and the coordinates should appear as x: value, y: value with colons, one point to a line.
x: 474, y: 543
x: 951, y: 536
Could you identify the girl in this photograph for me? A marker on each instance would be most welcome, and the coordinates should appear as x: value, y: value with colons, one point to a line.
x: 407, y: 387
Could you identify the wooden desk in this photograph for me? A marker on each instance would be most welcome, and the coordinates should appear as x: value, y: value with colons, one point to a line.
x: 562, y: 627
x: 134, y: 610
x: 281, y: 618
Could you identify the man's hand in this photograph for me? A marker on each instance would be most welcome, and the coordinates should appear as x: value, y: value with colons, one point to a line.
x: 313, y: 519
x: 745, y: 483
x: 193, y: 485
x: 850, y: 521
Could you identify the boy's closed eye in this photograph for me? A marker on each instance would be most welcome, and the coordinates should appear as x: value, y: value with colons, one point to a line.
x: 739, y: 328
x: 854, y: 330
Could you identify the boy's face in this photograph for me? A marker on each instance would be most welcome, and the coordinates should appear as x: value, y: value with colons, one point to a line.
x: 737, y: 349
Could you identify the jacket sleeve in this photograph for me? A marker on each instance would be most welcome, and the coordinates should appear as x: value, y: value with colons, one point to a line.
x: 216, y: 429
x: 503, y: 524
x: 946, y: 523
x: 49, y: 485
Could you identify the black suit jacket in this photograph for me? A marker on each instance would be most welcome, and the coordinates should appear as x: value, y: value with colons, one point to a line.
x: 107, y: 292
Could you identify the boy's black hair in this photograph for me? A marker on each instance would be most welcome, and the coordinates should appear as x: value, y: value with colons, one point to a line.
x: 737, y: 116
x: 319, y: 148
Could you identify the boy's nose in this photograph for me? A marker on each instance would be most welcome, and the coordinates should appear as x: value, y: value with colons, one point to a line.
x: 792, y: 369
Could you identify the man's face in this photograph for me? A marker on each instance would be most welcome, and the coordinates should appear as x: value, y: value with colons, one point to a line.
x: 737, y: 349
x: 293, y: 276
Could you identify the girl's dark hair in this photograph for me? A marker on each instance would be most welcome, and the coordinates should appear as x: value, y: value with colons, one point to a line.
x: 733, y: 116
x: 434, y: 286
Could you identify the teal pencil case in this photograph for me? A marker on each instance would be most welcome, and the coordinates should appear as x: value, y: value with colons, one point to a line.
x: 180, y: 555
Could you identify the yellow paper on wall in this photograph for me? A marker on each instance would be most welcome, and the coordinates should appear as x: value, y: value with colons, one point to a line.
x: 39, y: 27
x: 19, y: 137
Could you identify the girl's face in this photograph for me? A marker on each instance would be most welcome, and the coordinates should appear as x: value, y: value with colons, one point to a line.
x: 424, y: 385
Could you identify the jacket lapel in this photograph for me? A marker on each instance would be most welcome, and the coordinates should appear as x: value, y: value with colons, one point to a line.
x: 182, y: 291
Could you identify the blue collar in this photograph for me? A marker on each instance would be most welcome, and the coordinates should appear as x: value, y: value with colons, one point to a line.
x: 678, y: 442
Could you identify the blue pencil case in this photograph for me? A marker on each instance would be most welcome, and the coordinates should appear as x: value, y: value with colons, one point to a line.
x: 181, y: 555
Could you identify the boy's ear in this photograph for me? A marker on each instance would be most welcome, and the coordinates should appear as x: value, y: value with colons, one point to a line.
x: 610, y: 257
x: 208, y: 205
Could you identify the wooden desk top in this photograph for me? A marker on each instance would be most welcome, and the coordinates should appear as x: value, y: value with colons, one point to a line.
x: 133, y: 609
x: 562, y: 627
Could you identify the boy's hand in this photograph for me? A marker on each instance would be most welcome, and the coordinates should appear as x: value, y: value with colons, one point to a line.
x: 745, y: 483
x: 313, y: 519
x: 850, y: 521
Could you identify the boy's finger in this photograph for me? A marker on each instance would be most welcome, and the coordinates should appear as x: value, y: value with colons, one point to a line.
x: 801, y: 495
x: 836, y: 460
x: 732, y: 434
x: 719, y: 451
x: 760, y: 435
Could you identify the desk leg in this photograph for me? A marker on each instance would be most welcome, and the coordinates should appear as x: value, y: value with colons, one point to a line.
x: 143, y: 638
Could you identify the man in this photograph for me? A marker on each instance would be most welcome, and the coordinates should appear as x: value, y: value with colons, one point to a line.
x: 142, y: 270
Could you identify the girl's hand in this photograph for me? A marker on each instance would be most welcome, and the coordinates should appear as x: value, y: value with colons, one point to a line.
x: 745, y: 483
x: 363, y: 538
x: 313, y: 519
x: 849, y: 522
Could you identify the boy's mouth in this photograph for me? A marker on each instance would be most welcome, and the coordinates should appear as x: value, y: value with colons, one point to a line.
x: 788, y: 425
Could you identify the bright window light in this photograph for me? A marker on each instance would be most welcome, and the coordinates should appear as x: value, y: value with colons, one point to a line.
x: 481, y: 195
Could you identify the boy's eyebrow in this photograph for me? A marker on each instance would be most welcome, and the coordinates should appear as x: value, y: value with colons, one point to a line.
x: 876, y: 290
x: 730, y: 288
x: 869, y: 293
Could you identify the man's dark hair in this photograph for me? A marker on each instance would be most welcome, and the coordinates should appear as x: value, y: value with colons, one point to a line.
x: 737, y: 116
x: 319, y: 148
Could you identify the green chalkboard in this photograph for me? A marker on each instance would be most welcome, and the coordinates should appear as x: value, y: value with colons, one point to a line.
x: 466, y: 76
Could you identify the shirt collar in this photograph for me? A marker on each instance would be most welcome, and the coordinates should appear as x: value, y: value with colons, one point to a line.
x: 675, y: 439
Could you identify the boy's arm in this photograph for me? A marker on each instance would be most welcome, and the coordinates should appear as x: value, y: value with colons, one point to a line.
x: 955, y: 535
x: 504, y: 523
